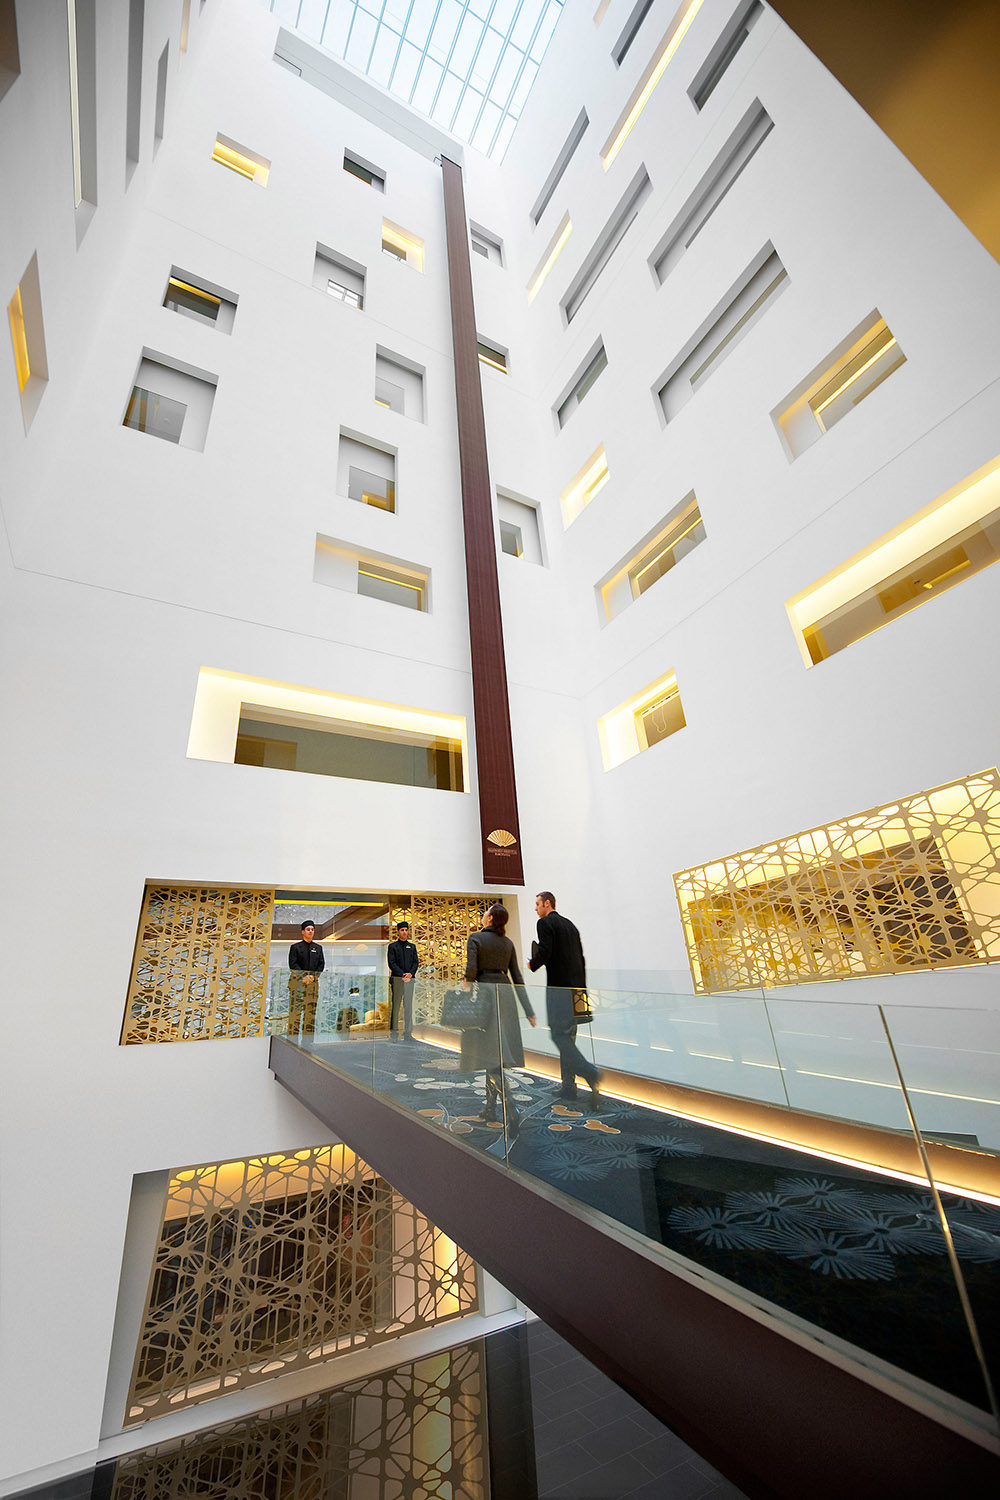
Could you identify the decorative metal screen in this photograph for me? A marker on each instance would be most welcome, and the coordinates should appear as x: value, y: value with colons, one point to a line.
x: 271, y: 1263
x: 440, y: 928
x: 912, y: 885
x: 200, y: 967
x: 419, y: 1430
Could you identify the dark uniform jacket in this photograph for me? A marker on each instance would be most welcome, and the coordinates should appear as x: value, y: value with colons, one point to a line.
x: 307, y: 956
x: 402, y: 958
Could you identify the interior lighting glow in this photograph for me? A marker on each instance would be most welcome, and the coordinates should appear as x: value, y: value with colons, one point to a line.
x: 551, y: 256
x: 195, y: 291
x: 238, y: 161
x: 19, y: 338
x: 676, y: 34
x: 402, y: 245
x: 589, y: 482
x: 890, y: 344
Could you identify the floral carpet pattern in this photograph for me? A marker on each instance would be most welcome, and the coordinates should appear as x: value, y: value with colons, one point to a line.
x: 859, y: 1253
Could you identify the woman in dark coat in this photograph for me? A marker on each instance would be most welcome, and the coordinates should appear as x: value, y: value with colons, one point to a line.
x: 490, y: 958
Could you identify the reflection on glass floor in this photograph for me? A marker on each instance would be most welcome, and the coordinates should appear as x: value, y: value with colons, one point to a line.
x: 519, y: 1415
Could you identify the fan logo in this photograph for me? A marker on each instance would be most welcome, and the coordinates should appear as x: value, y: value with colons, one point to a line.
x: 502, y: 841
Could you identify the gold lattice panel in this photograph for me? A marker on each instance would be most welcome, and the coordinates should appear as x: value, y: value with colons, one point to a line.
x: 911, y: 885
x: 200, y: 968
x: 440, y: 928
x: 419, y: 1430
x: 271, y: 1263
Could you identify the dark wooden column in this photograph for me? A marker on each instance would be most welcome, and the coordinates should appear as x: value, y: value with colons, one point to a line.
x: 499, y: 830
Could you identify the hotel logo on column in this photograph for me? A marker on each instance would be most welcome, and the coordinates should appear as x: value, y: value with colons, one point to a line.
x: 503, y: 843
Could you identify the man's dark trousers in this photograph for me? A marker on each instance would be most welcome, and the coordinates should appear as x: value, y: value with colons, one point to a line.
x: 562, y: 1029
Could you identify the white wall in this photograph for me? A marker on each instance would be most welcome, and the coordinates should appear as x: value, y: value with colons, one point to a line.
x: 131, y: 563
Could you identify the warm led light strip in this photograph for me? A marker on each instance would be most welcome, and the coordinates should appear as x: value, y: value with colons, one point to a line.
x: 668, y: 546
x: 493, y: 364
x: 656, y: 73
x: 234, y: 160
x: 562, y: 235
x: 15, y: 313
x: 185, y: 286
x: 400, y: 583
x: 856, y: 376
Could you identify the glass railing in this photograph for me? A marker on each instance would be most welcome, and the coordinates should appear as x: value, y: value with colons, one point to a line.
x: 839, y: 1164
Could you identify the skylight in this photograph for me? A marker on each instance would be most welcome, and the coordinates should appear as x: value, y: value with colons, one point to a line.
x: 467, y: 64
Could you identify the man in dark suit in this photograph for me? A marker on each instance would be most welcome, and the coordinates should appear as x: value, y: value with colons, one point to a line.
x: 403, y: 965
x: 305, y: 963
x: 560, y: 953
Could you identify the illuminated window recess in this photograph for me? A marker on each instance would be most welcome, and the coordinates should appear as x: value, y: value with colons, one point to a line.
x: 402, y: 246
x: 19, y: 339
x: 219, y: 696
x: 591, y: 479
x: 871, y: 355
x: 550, y: 257
x: 950, y: 540
x: 641, y: 722
x: 238, y: 159
x: 653, y: 560
x: 675, y: 35
x: 495, y: 358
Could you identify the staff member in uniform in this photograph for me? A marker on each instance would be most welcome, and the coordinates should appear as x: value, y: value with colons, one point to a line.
x: 306, y: 963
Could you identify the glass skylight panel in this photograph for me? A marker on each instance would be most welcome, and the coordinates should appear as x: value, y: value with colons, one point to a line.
x: 468, y: 64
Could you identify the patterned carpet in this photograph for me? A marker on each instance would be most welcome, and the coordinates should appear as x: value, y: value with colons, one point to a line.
x: 853, y: 1251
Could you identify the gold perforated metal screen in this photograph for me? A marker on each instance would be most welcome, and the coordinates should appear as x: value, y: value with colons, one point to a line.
x: 419, y: 1430
x: 268, y: 1264
x: 440, y: 928
x: 911, y: 885
x: 200, y: 967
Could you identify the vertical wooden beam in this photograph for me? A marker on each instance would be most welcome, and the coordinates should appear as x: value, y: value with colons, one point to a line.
x: 499, y: 829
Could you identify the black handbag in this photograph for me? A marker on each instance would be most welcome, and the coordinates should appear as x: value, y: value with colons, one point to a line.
x: 466, y: 1010
x: 583, y: 1012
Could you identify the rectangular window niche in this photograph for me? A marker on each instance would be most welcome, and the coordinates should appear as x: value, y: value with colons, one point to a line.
x: 400, y: 245
x: 729, y: 322
x: 641, y: 722
x: 492, y: 355
x: 914, y: 884
x: 829, y: 393
x: 241, y: 160
x: 722, y: 55
x: 590, y: 480
x: 665, y: 52
x: 82, y: 34
x: 287, y: 727
x: 607, y: 243
x: 520, y: 528
x: 948, y: 541
x: 562, y: 161
x: 366, y: 472
x: 194, y: 297
x: 161, y: 97
x: 339, y: 565
x: 486, y: 245
x: 399, y: 384
x: 340, y: 277
x: 655, y: 556
x: 133, y: 113
x: 27, y: 334
x: 364, y: 171
x: 10, y: 57
x: 723, y: 174
x: 171, y: 400
x: 592, y: 368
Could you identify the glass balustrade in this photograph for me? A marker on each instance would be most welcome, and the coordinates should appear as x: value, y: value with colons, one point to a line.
x: 834, y: 1164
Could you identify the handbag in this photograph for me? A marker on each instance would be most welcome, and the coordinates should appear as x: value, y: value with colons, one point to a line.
x: 582, y: 1011
x: 466, y: 1010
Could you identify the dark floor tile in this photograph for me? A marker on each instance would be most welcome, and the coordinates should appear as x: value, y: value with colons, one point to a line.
x: 566, y: 1465
x: 681, y: 1483
x: 613, y: 1439
x: 660, y: 1454
x: 608, y: 1481
x: 558, y: 1432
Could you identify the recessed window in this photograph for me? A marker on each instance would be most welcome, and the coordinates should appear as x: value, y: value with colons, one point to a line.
x: 722, y: 54
x: 588, y: 482
x: 653, y: 559
x: 10, y: 58
x: 161, y: 96
x: 630, y: 31
x: 339, y: 277
x: 555, y: 248
x: 675, y: 34
x: 606, y: 244
x: 27, y: 336
x: 485, y: 245
x: 399, y: 384
x: 367, y: 473
x: 950, y: 540
x: 82, y: 32
x: 490, y: 355
x: 133, y: 111
x: 867, y: 356
x: 643, y: 721
x: 729, y: 322
x: 402, y: 246
x: 338, y: 565
x: 171, y: 402
x: 197, y: 299
x: 242, y: 160
x: 364, y: 171
x: 511, y: 539
x: 520, y: 530
x: 594, y: 365
x: 560, y: 164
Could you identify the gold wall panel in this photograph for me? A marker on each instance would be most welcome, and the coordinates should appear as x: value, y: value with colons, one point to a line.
x: 419, y: 1430
x: 440, y: 927
x: 268, y: 1264
x: 200, y: 966
x: 911, y: 885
